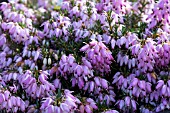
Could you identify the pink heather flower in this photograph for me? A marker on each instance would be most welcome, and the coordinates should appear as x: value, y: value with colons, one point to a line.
x: 104, y: 83
x: 111, y: 111
x: 134, y: 82
x: 133, y: 104
x: 97, y: 81
x: 64, y: 107
x: 142, y: 84
x: 80, y: 82
x: 98, y: 51
x: 121, y: 104
x: 2, y: 39
x: 164, y: 89
x: 91, y: 86
x: 87, y: 109
x: 113, y: 43
x: 127, y: 101
x: 79, y: 70
x: 148, y: 87
x: 2, y: 98
x: 37, y: 53
x: 160, y: 84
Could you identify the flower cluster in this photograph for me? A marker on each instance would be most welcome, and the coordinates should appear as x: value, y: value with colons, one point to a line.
x: 12, y: 103
x: 85, y: 56
x: 98, y: 55
x: 67, y: 104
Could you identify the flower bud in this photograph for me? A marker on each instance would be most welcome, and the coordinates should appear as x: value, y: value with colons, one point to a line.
x: 43, y: 42
x: 45, y: 61
x: 62, y: 53
x: 47, y: 43
x: 56, y: 56
x: 49, y: 61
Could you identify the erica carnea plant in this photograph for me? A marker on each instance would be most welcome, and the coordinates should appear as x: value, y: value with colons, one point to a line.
x: 85, y: 56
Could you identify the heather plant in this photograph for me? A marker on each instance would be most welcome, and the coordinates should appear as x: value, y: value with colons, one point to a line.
x: 85, y: 56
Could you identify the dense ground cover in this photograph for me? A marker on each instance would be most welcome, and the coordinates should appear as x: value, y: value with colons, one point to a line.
x: 85, y: 56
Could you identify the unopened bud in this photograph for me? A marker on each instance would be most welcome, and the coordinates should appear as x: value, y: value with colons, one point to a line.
x: 47, y: 43
x: 49, y: 61
x: 43, y: 42
x: 62, y: 53
x: 45, y: 61
x: 56, y: 56
x: 58, y: 51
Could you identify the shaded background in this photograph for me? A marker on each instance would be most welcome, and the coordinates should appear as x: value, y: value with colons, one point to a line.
x: 3, y: 1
